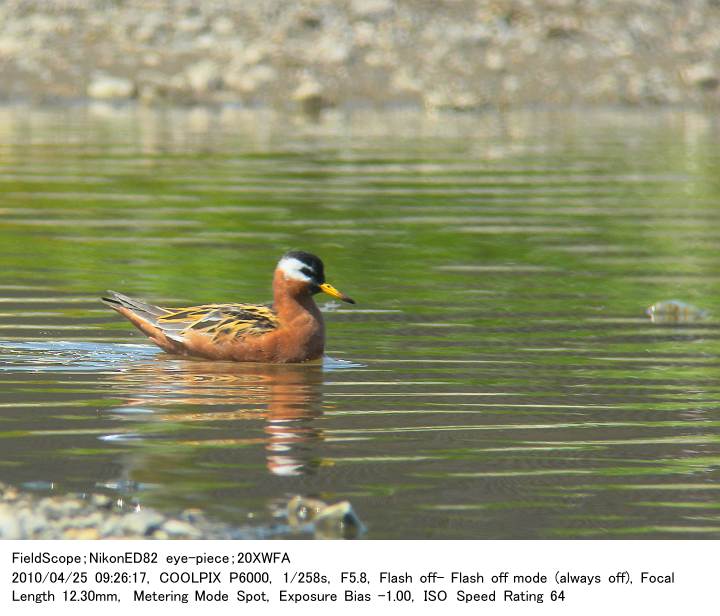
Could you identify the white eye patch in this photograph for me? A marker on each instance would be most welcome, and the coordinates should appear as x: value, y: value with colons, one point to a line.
x: 293, y: 269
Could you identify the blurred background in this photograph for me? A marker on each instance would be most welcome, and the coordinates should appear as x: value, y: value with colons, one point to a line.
x: 434, y: 54
x: 523, y: 197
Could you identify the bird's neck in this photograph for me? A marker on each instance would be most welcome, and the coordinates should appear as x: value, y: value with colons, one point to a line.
x: 292, y: 300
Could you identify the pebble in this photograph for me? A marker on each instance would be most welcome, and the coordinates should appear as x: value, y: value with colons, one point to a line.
x: 82, y: 533
x: 143, y: 523
x: 204, y: 76
x: 494, y: 60
x: 107, y: 87
x: 310, y: 96
x: 675, y: 311
x: 223, y: 26
x: 191, y: 25
x: 338, y: 521
x: 9, y: 526
x: 302, y: 510
x: 174, y: 528
x: 101, y: 500
x: 371, y: 8
x: 249, y: 80
x: 702, y: 75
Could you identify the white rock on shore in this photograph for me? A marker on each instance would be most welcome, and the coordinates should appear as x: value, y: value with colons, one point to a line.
x: 106, y: 87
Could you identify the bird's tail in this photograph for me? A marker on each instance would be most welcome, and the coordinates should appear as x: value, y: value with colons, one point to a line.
x: 144, y: 316
x: 149, y: 312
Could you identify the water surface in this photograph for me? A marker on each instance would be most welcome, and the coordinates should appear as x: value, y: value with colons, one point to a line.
x: 499, y: 377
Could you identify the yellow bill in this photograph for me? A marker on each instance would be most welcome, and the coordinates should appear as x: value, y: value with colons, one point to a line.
x: 333, y: 292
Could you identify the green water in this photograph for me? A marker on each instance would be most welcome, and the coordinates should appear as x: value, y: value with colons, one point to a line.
x: 498, y: 377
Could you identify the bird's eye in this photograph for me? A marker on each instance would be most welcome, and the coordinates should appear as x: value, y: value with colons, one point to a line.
x: 308, y: 272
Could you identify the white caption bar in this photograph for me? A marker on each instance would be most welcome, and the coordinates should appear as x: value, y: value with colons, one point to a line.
x: 397, y: 577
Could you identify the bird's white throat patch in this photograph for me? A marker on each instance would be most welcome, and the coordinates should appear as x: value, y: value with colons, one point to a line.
x: 292, y: 268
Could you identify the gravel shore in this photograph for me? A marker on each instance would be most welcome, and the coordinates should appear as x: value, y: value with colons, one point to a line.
x: 97, y: 516
x: 310, y: 54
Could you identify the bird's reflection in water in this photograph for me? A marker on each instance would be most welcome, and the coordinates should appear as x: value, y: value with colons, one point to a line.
x: 191, y: 432
x: 172, y: 401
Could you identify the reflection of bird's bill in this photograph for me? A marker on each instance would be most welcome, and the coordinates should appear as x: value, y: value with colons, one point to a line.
x: 333, y: 292
x: 286, y: 466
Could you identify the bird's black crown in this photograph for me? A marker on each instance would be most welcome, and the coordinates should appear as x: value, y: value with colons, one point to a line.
x: 313, y: 266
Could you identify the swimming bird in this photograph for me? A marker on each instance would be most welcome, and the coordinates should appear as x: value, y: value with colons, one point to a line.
x: 291, y: 330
